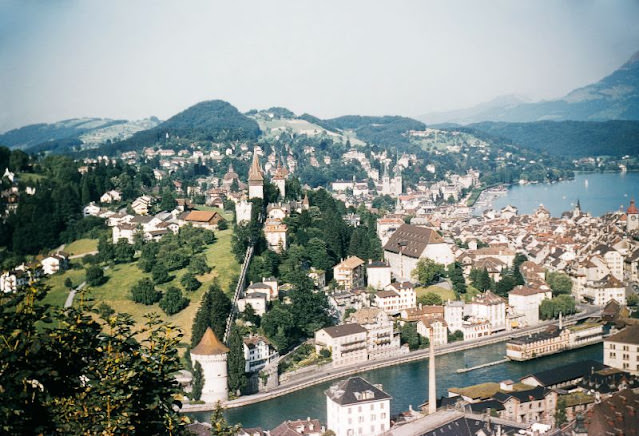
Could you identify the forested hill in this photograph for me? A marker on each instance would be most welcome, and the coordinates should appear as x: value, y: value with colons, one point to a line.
x: 388, y: 131
x: 213, y: 120
x: 571, y: 139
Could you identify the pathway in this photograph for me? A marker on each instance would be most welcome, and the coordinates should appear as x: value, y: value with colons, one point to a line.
x: 72, y: 292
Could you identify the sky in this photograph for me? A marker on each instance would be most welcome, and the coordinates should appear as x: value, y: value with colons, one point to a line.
x: 132, y: 59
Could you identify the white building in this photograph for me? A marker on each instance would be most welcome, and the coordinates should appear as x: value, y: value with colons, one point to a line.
x: 378, y: 274
x: 396, y: 296
x: 410, y: 243
x: 258, y: 352
x: 621, y: 350
x: 381, y: 340
x: 110, y: 197
x: 454, y: 315
x: 211, y: 354
x: 53, y: 264
x: 347, y: 343
x: 490, y: 307
x: 243, y: 211
x: 434, y: 329
x: 256, y: 179
x: 600, y: 292
x: 275, y: 234
x: 526, y: 301
x: 354, y: 407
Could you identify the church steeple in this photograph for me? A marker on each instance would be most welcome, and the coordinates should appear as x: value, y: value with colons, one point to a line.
x: 256, y: 178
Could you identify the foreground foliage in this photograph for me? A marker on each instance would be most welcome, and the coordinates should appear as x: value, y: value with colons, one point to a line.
x: 71, y: 371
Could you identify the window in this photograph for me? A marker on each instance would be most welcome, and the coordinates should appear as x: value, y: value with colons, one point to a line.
x: 373, y: 417
x: 382, y: 416
x: 350, y: 410
x: 372, y: 406
x: 360, y: 419
x: 626, y: 357
x: 359, y: 408
x: 350, y: 421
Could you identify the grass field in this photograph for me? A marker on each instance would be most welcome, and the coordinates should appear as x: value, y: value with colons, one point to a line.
x: 445, y: 294
x: 81, y: 246
x: 120, y: 279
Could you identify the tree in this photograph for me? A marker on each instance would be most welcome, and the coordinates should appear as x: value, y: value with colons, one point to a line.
x: 198, y: 265
x: 219, y: 425
x: 105, y: 249
x: 189, y: 282
x: 198, y: 382
x: 250, y: 316
x: 408, y: 335
x: 505, y: 285
x: 236, y: 364
x: 95, y: 276
x: 144, y: 292
x: 279, y: 327
x: 564, y: 304
x: 428, y: 271
x: 560, y: 283
x: 213, y: 312
x: 68, y: 283
x: 456, y: 275
x: 173, y: 301
x: 123, y: 251
x: 481, y: 279
x: 160, y: 273
x: 560, y: 414
x: 131, y: 383
x: 430, y: 299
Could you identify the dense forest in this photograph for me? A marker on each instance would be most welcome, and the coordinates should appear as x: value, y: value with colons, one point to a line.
x: 572, y: 139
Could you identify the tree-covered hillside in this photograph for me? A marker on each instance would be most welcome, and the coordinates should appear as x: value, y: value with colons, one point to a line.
x: 572, y: 139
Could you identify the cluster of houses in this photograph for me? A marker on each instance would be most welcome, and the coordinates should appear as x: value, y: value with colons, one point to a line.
x: 26, y: 274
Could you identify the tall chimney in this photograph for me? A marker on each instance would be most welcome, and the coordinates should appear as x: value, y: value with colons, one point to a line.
x: 561, y: 321
x: 432, y: 387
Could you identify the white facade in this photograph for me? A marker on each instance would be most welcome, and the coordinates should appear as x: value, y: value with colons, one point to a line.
x: 489, y: 307
x: 526, y: 301
x: 243, y: 211
x: 347, y: 343
x: 435, y: 330
x: 275, y: 234
x: 621, y: 350
x: 454, y: 315
x: 258, y: 352
x: 378, y: 274
x: 395, y: 297
x: 381, y: 340
x: 354, y: 407
x: 211, y: 355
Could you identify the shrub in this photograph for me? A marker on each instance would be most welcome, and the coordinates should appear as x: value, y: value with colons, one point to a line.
x: 144, y: 292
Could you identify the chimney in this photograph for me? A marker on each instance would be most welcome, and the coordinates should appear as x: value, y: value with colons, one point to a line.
x: 432, y: 387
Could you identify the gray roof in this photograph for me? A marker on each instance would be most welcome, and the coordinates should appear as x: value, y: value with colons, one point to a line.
x: 412, y: 240
x: 355, y: 390
x: 344, y: 330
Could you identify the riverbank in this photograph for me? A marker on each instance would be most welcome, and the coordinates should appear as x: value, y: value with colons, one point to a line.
x: 327, y: 374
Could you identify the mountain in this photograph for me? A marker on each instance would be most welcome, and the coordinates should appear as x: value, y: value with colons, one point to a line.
x: 572, y: 139
x: 212, y: 120
x: 615, y: 97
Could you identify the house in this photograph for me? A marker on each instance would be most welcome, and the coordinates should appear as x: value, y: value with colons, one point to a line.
x: 275, y: 234
x: 490, y: 307
x: 615, y: 415
x: 356, y: 407
x: 434, y: 329
x: 529, y: 406
x: 258, y: 352
x: 395, y: 297
x: 349, y: 273
x: 347, y: 343
x: 302, y: 427
x: 410, y: 243
x: 11, y: 281
x: 111, y: 196
x: 91, y: 210
x: 526, y: 300
x: 602, y: 291
x: 563, y: 377
x: 141, y: 205
x: 257, y: 300
x: 204, y: 218
x: 621, y: 350
x: 54, y: 263
x: 454, y: 315
x: 381, y: 339
x: 378, y: 274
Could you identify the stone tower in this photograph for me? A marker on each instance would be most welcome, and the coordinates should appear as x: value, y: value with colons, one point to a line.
x: 211, y: 354
x: 255, y: 179
x: 279, y: 179
x: 632, y: 217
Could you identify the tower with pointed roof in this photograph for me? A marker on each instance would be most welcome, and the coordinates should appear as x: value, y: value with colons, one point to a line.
x: 632, y: 217
x: 256, y: 178
x: 211, y: 355
x: 279, y: 179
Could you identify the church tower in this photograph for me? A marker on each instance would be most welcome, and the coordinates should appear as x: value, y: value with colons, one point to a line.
x: 632, y: 217
x: 211, y: 354
x: 256, y: 179
x: 279, y: 179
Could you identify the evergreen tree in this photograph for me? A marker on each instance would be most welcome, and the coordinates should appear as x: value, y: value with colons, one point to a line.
x: 173, y: 301
x: 236, y: 364
x: 198, y: 382
x: 213, y: 312
x: 189, y: 282
x: 219, y: 425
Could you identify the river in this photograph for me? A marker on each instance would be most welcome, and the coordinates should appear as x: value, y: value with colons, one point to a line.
x: 407, y: 384
x: 597, y: 193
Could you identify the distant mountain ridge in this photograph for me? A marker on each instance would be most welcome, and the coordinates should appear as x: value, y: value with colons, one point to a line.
x: 615, y: 97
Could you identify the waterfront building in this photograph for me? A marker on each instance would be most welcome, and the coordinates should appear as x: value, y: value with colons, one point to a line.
x: 256, y: 178
x: 621, y: 350
x: 302, y: 427
x: 347, y: 343
x: 601, y: 292
x: 381, y: 339
x: 354, y: 407
x: 553, y: 340
x: 211, y: 354
x: 454, y: 315
x: 563, y: 377
x: 258, y: 352
x: 410, y: 243
x: 457, y: 423
x: 349, y: 273
x: 490, y: 307
x: 378, y: 274
x: 534, y: 405
x: 434, y: 329
x: 473, y: 328
x: 525, y: 300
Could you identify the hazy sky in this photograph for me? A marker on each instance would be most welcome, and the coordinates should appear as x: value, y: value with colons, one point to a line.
x: 132, y: 59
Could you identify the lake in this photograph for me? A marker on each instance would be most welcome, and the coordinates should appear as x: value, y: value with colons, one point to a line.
x: 597, y: 193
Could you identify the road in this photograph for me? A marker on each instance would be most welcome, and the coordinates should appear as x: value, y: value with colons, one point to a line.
x: 328, y: 373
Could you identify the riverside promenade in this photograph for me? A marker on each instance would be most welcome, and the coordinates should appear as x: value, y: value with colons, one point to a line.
x: 327, y: 373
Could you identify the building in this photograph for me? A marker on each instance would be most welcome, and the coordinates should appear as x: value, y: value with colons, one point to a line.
x: 258, y: 352
x: 279, y: 179
x: 621, y: 350
x: 256, y: 178
x: 141, y: 205
x: 204, y: 218
x: 347, y: 343
x: 354, y: 407
x: 243, y: 211
x: 434, y: 329
x: 349, y: 273
x: 553, y: 340
x: 211, y: 354
x: 526, y: 300
x: 381, y: 340
x: 275, y: 234
x: 302, y: 427
x: 410, y: 243
x: 396, y: 297
x: 378, y: 274
x: 534, y: 405
x: 563, y: 377
x: 54, y: 263
x: 457, y: 423
x: 490, y: 307
x: 632, y: 217
x: 601, y: 292
x: 616, y: 415
x: 454, y: 315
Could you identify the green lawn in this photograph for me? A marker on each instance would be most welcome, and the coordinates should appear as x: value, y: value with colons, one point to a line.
x: 81, y: 246
x: 445, y: 294
x: 121, y: 277
x: 30, y: 177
